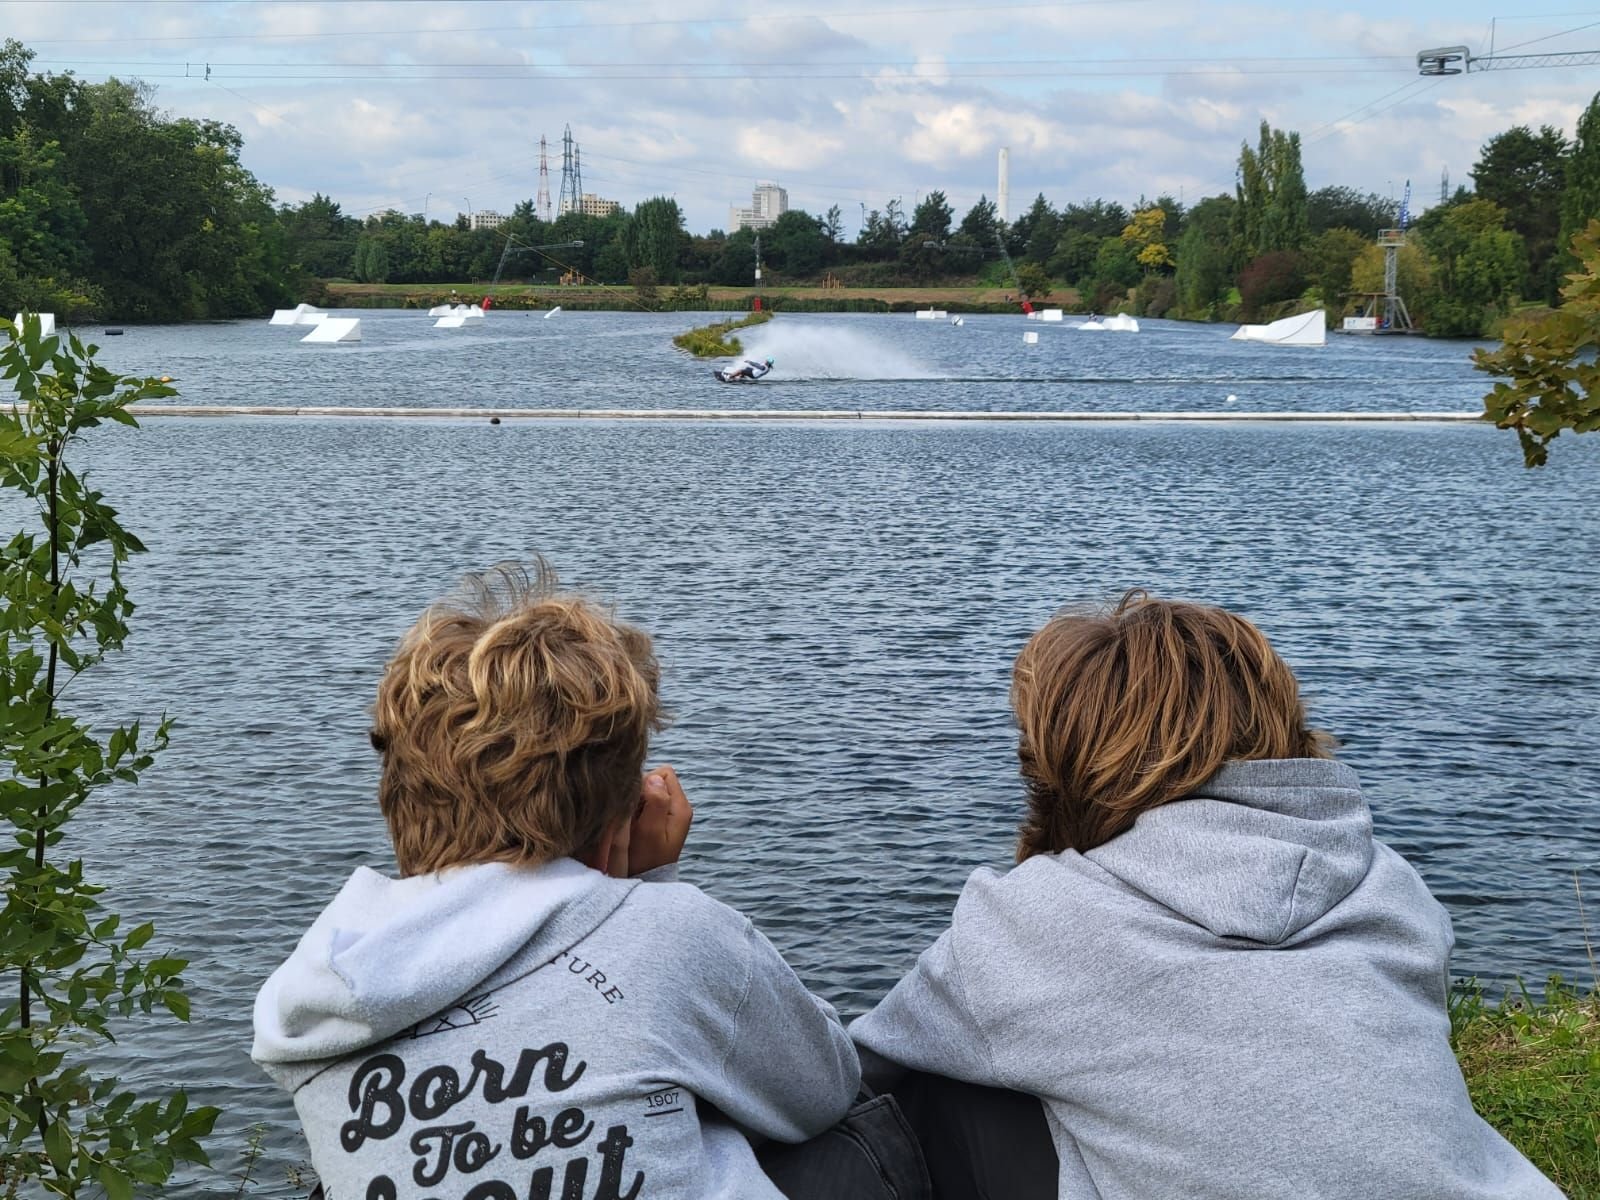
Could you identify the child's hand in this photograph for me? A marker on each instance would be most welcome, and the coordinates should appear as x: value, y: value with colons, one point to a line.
x: 662, y: 825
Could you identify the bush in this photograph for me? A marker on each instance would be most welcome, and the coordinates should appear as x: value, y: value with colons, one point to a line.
x: 1156, y: 296
x: 1271, y: 278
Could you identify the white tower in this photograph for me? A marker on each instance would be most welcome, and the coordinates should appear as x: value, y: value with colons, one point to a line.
x: 1003, y: 203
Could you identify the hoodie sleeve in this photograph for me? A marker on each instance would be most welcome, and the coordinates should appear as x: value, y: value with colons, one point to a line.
x: 926, y: 1022
x: 788, y: 1070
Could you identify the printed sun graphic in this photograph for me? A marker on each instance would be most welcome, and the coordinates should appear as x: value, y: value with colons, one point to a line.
x: 472, y: 1011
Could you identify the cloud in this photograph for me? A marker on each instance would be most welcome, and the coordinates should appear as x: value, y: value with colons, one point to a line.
x: 847, y: 103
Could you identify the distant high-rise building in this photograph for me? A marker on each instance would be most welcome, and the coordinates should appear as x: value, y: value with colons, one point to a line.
x: 486, y: 218
x: 767, y: 203
x: 589, y: 205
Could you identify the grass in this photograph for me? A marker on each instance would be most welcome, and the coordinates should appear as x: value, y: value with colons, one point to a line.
x: 712, y: 341
x: 797, y: 298
x: 1532, y: 1066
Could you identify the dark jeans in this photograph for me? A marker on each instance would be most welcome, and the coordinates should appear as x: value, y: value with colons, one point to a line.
x: 871, y: 1154
x: 980, y: 1143
x: 929, y: 1137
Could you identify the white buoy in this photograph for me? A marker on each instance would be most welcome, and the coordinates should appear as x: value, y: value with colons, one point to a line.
x: 336, y: 329
x: 957, y: 321
x: 1031, y: 338
x: 1232, y: 399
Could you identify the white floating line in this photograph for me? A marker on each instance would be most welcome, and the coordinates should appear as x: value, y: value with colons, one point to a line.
x: 1233, y: 417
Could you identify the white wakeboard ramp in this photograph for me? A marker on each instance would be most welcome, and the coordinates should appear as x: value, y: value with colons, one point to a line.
x: 1305, y: 329
x: 300, y: 314
x: 47, y: 322
x: 454, y: 316
x: 335, y: 329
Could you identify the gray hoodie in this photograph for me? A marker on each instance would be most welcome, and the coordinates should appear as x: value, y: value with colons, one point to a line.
x: 1244, y: 995
x: 503, y: 1033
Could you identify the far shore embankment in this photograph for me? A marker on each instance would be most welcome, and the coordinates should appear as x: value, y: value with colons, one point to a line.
x: 595, y: 298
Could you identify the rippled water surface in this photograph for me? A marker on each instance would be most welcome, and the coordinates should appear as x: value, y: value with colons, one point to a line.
x: 604, y: 360
x: 836, y: 607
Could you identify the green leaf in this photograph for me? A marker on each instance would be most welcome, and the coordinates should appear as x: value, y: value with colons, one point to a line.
x: 117, y: 1185
x: 58, y: 1145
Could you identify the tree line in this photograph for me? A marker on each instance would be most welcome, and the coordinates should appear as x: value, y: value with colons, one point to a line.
x: 109, y: 207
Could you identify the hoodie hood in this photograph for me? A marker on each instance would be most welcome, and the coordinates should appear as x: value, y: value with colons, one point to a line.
x: 387, y: 953
x: 1261, y: 851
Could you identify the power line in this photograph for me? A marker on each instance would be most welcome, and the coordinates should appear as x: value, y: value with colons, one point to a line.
x: 852, y: 14
x: 932, y: 75
x: 1215, y: 60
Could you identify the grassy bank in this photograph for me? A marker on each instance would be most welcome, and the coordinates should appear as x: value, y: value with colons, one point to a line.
x: 713, y: 341
x: 1532, y: 1066
x: 696, y: 299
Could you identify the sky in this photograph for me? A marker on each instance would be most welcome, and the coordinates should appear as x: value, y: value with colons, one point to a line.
x: 439, y: 105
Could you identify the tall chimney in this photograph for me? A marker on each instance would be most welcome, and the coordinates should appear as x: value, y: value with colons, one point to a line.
x: 1003, y: 204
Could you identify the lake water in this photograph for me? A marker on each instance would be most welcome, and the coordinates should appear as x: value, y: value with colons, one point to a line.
x: 836, y: 607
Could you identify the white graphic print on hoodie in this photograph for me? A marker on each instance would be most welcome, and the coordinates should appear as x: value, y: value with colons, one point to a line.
x: 509, y: 1033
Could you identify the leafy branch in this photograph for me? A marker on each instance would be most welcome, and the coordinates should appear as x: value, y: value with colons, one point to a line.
x: 1554, y: 378
x: 63, y: 1127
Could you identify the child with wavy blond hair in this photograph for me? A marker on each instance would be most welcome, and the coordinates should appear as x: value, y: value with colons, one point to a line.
x: 535, y: 1008
x: 1213, y: 977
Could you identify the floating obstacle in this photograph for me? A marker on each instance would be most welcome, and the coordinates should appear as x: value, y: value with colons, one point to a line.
x: 1306, y: 329
x: 300, y: 314
x: 1031, y: 338
x: 552, y: 312
x: 931, y: 314
x: 335, y: 329
x: 47, y: 322
x: 957, y: 321
x: 1050, y: 314
x: 456, y: 310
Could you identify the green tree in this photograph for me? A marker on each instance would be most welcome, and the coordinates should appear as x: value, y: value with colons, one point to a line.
x: 1478, y: 264
x: 372, y: 259
x: 932, y: 217
x: 655, y: 237
x: 1271, y: 212
x: 833, y: 227
x: 1548, y: 378
x: 320, y: 237
x: 1330, y: 259
x: 981, y: 226
x: 1524, y: 173
x: 1146, y: 233
x: 1413, y: 272
x: 1203, y: 275
x: 796, y: 244
x: 66, y: 1129
x: 1034, y: 281
x: 1040, y: 218
x: 1580, y: 198
x: 40, y: 220
x: 1116, y: 262
x: 1337, y: 207
x: 1074, y: 256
